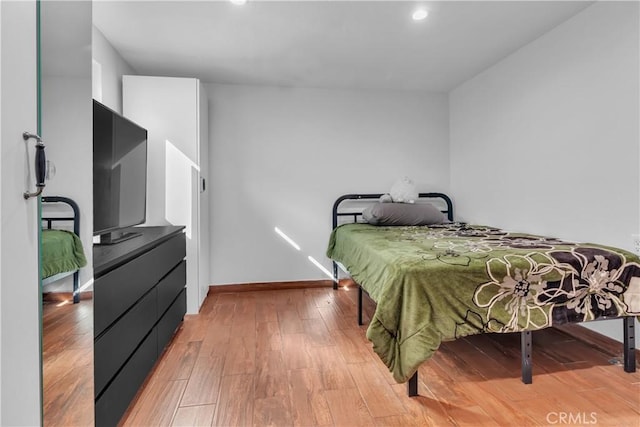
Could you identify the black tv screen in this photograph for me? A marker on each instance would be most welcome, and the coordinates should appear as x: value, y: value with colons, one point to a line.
x: 119, y: 174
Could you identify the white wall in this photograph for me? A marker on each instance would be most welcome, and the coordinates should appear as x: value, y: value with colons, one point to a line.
x: 112, y: 67
x: 547, y: 140
x: 281, y: 156
x: 167, y: 108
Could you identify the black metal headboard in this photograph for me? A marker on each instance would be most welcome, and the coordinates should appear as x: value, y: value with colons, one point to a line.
x: 336, y: 213
x: 336, y: 206
x: 74, y: 206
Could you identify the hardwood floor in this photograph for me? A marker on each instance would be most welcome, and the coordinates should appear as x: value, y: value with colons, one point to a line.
x: 297, y: 357
x: 67, y: 376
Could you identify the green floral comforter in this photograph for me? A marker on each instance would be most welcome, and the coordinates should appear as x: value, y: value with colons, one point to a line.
x: 439, y: 283
x: 61, y: 252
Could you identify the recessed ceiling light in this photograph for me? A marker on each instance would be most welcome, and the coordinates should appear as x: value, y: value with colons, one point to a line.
x: 420, y: 14
x: 238, y: 2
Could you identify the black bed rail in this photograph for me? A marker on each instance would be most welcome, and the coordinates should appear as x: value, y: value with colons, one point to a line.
x: 74, y: 206
x: 448, y: 211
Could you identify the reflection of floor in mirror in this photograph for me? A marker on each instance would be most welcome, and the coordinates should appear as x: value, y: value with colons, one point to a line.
x: 67, y: 355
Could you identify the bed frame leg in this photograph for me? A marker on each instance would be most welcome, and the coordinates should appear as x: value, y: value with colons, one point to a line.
x: 412, y: 385
x: 525, y: 344
x: 76, y: 295
x: 335, y: 275
x: 359, y: 305
x: 629, y: 344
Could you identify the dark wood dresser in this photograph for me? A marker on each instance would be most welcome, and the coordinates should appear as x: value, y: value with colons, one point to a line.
x: 139, y: 302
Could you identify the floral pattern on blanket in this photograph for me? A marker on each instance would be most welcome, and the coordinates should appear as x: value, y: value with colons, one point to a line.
x: 548, y: 286
x: 594, y: 285
x: 541, y: 289
x: 516, y: 282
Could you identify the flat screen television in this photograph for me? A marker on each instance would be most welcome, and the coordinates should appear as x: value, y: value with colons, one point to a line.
x: 119, y: 175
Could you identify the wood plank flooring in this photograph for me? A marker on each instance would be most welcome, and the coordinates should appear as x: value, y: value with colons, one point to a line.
x: 67, y: 357
x: 297, y: 357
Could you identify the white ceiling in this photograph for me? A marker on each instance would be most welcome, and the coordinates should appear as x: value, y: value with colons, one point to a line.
x: 328, y: 44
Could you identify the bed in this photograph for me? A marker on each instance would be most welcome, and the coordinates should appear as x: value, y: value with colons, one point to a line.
x: 439, y: 282
x: 62, y: 251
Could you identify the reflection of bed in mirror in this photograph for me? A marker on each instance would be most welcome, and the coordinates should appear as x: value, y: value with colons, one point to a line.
x: 65, y: 115
x: 62, y: 251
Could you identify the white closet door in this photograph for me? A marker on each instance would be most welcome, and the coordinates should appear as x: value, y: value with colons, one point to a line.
x: 168, y: 107
x: 203, y: 188
x: 19, y: 288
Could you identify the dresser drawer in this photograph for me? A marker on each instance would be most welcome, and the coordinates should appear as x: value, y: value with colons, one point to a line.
x: 168, y: 324
x: 119, y: 289
x: 115, y: 346
x: 170, y: 287
x: 114, y: 401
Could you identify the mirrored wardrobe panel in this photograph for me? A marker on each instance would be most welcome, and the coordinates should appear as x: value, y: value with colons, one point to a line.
x: 65, y: 114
